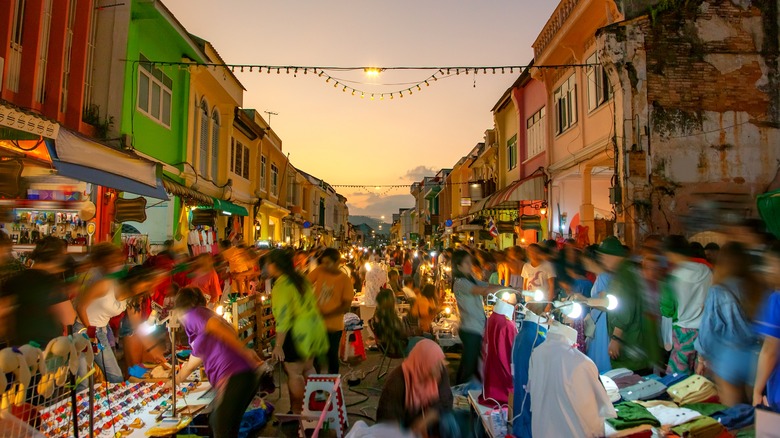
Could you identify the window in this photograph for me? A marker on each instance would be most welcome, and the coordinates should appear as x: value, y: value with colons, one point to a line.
x: 203, y: 155
x: 239, y: 159
x: 565, y: 98
x: 89, y: 74
x: 535, y: 141
x: 68, y: 55
x: 599, y: 89
x: 154, y: 92
x: 274, y: 180
x: 511, y: 152
x: 15, y: 57
x: 263, y: 172
x: 214, y: 144
x: 291, y: 190
x: 43, y: 50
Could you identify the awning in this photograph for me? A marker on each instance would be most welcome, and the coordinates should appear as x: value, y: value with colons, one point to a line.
x: 479, y: 205
x: 526, y: 189
x: 194, y: 196
x: 80, y: 158
x: 769, y: 209
x: 229, y: 207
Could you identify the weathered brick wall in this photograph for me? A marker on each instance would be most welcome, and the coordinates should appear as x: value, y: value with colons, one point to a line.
x: 702, y: 81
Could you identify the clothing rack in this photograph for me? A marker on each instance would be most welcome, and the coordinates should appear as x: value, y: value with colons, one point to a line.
x: 202, y: 239
x: 135, y: 247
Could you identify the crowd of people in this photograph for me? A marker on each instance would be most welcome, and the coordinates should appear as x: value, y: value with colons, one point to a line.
x: 683, y: 308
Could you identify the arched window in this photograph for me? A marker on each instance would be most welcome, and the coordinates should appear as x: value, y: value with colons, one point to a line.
x: 214, y: 144
x: 203, y: 156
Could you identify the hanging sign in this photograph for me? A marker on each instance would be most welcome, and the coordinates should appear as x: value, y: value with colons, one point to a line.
x: 91, y: 228
x: 307, y: 224
x: 531, y: 222
x: 15, y: 119
x: 130, y: 210
x: 448, y: 222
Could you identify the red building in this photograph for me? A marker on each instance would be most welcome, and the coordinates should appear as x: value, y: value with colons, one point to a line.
x: 46, y: 53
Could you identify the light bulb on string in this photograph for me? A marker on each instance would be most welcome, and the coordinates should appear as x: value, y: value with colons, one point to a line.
x: 418, y: 88
x: 494, y: 71
x: 434, y: 78
x: 345, y: 89
x: 381, y: 97
x: 448, y: 71
x: 296, y: 70
x: 410, y: 92
x: 391, y: 96
x: 321, y: 72
x: 233, y: 69
x: 427, y: 84
x: 250, y: 69
x: 362, y: 95
x: 353, y: 92
x: 326, y: 80
x: 335, y: 85
x: 278, y: 70
x: 457, y: 71
x: 401, y: 93
x: 511, y: 70
x: 242, y: 69
x: 502, y: 70
x: 269, y: 70
x: 372, y: 96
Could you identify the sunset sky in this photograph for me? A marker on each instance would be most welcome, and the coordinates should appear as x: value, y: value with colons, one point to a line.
x: 347, y: 140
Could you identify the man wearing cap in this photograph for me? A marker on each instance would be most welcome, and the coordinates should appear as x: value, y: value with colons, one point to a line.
x: 632, y: 336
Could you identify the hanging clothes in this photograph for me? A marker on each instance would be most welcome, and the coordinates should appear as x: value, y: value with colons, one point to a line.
x: 567, y: 398
x: 598, y: 345
x: 497, y: 356
x: 529, y: 337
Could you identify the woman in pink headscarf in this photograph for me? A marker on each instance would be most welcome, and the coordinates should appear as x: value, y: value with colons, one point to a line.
x: 417, y: 394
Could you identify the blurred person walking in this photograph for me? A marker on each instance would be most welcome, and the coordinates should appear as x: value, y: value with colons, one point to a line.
x: 333, y: 289
x: 727, y: 344
x: 301, y: 334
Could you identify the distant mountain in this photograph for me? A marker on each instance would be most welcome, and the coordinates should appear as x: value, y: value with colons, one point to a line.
x: 371, y: 222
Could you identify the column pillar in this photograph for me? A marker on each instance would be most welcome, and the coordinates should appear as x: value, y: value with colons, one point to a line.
x: 56, y: 60
x: 265, y: 224
x: 31, y: 35
x: 587, y: 211
x: 78, y: 63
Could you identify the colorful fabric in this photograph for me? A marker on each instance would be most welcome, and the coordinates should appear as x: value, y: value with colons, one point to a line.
x: 683, y: 356
x: 694, y: 389
x: 421, y: 388
x: 645, y: 390
x: 529, y: 337
x: 299, y: 317
x: 768, y: 324
x: 497, y: 356
x: 630, y: 414
x: 702, y: 427
x: 598, y: 345
x: 706, y: 408
x: 673, y: 416
x: 736, y: 417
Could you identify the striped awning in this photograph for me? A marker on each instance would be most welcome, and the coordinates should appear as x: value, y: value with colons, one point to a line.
x: 189, y: 195
x: 526, y: 189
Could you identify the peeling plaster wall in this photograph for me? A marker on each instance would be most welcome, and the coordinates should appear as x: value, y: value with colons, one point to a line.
x: 702, y: 80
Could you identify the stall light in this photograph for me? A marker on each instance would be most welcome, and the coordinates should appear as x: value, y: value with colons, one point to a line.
x: 506, y: 296
x: 415, y: 254
x: 536, y: 295
x: 220, y: 310
x: 447, y: 310
x: 227, y: 213
x: 522, y: 240
x: 433, y: 253
x: 572, y: 310
x: 368, y: 267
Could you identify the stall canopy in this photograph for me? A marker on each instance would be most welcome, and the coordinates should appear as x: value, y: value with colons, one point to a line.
x: 228, y: 207
x: 769, y: 209
x: 190, y: 195
x: 80, y: 158
x: 526, y: 189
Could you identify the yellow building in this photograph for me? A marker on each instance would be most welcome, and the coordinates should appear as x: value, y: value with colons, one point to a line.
x: 214, y: 95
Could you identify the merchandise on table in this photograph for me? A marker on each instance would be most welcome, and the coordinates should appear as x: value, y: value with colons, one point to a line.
x: 118, y: 408
x: 694, y: 389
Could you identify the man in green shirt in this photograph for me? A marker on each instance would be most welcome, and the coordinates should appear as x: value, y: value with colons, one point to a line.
x: 633, y: 343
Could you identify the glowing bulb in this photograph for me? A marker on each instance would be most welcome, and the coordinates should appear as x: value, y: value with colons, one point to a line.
x: 220, y: 310
x: 145, y: 328
x: 538, y: 295
x: 372, y: 71
x: 415, y: 254
x: 573, y: 311
x: 613, y: 302
x: 522, y: 240
x: 368, y: 266
x: 447, y: 310
x: 505, y: 296
x: 543, y: 211
x: 418, y: 88
x: 433, y: 253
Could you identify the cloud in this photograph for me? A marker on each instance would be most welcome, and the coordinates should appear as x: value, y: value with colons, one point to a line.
x: 419, y: 172
x: 374, y: 205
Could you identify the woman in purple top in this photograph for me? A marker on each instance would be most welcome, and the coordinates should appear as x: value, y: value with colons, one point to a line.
x: 229, y: 366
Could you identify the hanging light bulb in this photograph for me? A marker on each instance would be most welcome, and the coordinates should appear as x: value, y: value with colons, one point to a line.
x: 353, y: 92
x: 320, y: 75
x: 372, y: 96
x: 440, y: 72
x: 457, y: 71
x: 269, y: 70
x: 233, y: 69
x: 335, y: 85
x: 326, y: 80
x: 277, y: 70
x: 391, y: 96
x: 418, y: 87
x: 511, y: 70
x: 381, y: 97
x: 401, y: 93
x: 250, y: 69
x: 448, y: 71
x: 296, y: 70
x: 502, y: 70
x: 410, y: 92
x: 434, y: 78
x: 427, y: 84
x: 362, y: 95
x: 345, y: 89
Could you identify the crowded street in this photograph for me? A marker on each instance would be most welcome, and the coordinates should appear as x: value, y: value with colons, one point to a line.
x: 504, y: 218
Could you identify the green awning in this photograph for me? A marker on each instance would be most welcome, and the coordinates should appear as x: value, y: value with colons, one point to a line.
x: 227, y: 207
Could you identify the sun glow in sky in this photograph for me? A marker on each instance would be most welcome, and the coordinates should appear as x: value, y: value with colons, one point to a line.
x: 344, y: 139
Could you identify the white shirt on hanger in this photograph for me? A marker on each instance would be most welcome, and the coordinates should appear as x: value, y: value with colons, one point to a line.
x: 567, y: 398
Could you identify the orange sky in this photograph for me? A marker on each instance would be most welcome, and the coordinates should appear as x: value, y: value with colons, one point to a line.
x: 348, y: 140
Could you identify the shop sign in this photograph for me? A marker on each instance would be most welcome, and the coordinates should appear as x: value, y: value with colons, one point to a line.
x: 15, y: 119
x: 130, y: 210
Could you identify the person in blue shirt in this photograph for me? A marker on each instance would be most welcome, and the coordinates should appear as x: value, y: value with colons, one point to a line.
x: 768, y: 324
x: 727, y: 343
